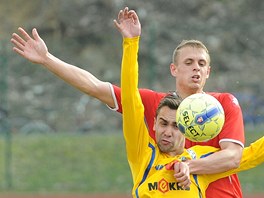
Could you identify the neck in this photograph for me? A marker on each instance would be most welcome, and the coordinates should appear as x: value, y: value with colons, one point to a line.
x: 184, y: 94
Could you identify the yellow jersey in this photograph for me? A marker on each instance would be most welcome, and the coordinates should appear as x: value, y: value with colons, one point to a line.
x: 149, y: 167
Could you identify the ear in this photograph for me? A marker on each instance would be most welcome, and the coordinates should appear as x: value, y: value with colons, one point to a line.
x: 173, y: 69
x: 154, y: 125
x: 208, y: 71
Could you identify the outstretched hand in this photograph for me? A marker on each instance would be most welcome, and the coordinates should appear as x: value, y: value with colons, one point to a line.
x: 34, y: 49
x: 128, y: 23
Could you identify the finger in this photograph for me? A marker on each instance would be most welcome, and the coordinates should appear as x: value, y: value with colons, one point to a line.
x: 177, y: 167
x: 24, y: 34
x: 181, y: 178
x: 120, y: 15
x: 19, y: 51
x: 125, y: 13
x: 184, y: 181
x: 17, y: 38
x: 186, y: 185
x: 132, y: 14
x: 117, y: 25
x: 17, y: 44
x: 35, y: 34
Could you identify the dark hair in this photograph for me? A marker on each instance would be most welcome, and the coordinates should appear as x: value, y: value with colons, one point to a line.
x: 171, y: 100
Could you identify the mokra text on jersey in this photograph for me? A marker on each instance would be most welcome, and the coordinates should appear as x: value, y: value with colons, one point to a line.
x: 164, y: 186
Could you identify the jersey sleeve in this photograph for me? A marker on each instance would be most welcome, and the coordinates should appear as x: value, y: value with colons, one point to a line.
x: 150, y: 100
x: 134, y: 129
x: 233, y: 129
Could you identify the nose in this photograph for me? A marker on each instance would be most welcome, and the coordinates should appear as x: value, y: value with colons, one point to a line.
x: 196, y: 66
x: 168, y: 132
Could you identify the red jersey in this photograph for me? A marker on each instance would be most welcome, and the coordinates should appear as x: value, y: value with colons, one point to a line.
x: 233, y: 131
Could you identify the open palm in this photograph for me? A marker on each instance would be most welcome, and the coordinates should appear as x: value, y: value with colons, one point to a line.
x: 34, y: 49
x: 128, y: 23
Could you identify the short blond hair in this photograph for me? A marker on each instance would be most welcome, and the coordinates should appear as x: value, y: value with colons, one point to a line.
x: 189, y: 43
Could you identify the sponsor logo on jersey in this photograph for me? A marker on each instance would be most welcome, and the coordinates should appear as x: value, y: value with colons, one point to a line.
x: 235, y: 101
x: 191, y: 153
x: 164, y: 186
x: 159, y: 167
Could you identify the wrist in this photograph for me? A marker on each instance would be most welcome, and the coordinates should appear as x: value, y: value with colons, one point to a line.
x: 170, y: 166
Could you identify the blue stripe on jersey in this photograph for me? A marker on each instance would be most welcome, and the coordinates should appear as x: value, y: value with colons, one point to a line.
x: 195, y: 177
x: 207, y: 154
x: 148, y: 167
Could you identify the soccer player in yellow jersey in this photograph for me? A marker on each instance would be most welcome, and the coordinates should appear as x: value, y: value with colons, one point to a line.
x: 152, y: 163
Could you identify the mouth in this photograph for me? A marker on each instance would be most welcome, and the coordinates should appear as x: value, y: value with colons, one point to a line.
x: 196, y: 78
x: 165, y: 142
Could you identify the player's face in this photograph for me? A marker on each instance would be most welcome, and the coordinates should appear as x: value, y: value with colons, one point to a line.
x: 169, y: 139
x: 191, y: 70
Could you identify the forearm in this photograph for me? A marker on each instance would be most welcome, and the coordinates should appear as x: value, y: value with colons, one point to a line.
x: 218, y: 162
x: 80, y: 79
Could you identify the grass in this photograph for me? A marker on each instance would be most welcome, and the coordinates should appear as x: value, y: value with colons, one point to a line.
x: 68, y: 163
x: 252, y: 180
x: 81, y: 163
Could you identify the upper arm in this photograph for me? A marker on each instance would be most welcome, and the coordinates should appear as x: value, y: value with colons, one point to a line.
x: 105, y: 93
x: 253, y: 156
x: 232, y: 150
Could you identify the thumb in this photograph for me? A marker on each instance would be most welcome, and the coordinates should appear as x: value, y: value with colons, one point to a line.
x: 177, y: 167
x: 35, y: 34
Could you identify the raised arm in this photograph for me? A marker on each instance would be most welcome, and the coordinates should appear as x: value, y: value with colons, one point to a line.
x: 35, y: 50
x: 135, y: 133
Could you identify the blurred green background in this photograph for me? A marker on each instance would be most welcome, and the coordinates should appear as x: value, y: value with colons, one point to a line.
x: 51, y: 136
x: 81, y: 164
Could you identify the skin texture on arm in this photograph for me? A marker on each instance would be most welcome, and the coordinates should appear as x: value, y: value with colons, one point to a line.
x: 225, y: 159
x: 252, y: 156
x: 35, y: 50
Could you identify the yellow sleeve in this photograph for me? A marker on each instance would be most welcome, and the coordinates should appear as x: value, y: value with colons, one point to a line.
x: 134, y: 129
x: 252, y: 156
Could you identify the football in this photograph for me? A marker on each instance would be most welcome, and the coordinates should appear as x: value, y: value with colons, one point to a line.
x: 200, y: 117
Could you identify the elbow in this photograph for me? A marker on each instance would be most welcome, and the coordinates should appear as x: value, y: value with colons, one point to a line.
x: 234, y: 164
x: 235, y: 161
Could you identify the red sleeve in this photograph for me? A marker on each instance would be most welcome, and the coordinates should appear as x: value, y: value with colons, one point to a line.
x: 117, y: 98
x: 233, y: 129
x: 150, y: 101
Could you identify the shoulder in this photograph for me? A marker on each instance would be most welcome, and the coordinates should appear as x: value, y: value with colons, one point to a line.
x: 143, y: 92
x: 226, y: 99
x: 199, y: 151
x: 151, y: 92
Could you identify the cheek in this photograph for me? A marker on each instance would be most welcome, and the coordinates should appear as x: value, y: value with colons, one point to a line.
x: 157, y: 131
x: 183, y: 141
x: 180, y: 137
x: 206, y: 72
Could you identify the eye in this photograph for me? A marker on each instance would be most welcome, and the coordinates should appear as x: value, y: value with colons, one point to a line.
x: 188, y: 62
x: 202, y: 63
x: 175, y: 125
x: 163, y: 123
